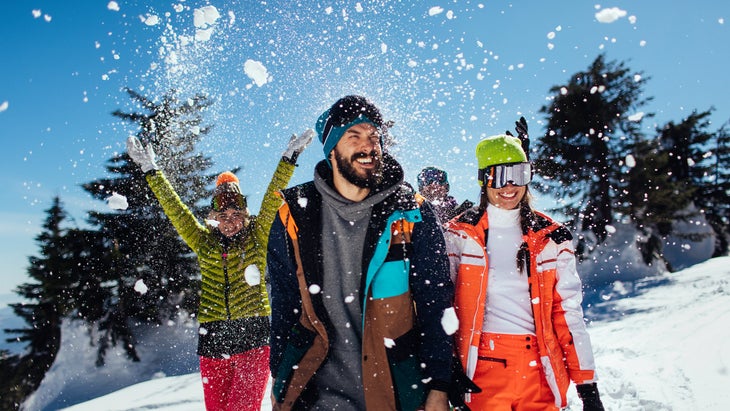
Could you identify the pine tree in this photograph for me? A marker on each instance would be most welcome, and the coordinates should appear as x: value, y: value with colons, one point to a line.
x: 11, y: 394
x: 149, y: 274
x: 714, y: 197
x: 669, y: 176
x: 653, y: 199
x: 686, y: 143
x: 589, y: 133
x: 48, y: 297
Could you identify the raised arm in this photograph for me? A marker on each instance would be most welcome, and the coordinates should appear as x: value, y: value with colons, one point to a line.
x: 184, y: 221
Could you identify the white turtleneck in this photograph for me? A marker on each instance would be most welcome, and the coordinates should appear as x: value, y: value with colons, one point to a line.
x: 508, y: 308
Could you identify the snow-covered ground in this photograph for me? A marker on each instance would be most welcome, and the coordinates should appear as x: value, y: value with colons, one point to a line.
x: 661, y: 343
x: 666, y: 345
x: 165, y: 351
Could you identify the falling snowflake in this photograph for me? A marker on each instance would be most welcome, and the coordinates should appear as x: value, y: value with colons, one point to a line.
x: 140, y: 287
x: 449, y: 321
x: 117, y: 202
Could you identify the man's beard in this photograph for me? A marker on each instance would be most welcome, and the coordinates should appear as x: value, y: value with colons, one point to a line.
x: 372, y: 178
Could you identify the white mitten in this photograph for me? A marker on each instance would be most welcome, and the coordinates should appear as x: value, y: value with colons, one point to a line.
x: 143, y: 156
x: 297, y: 144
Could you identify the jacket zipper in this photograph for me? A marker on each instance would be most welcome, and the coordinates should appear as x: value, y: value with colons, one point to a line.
x: 227, y: 285
x: 403, y: 245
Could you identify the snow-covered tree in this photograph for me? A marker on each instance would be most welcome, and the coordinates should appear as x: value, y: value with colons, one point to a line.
x: 714, y: 197
x: 653, y: 199
x: 150, y: 274
x: 589, y: 130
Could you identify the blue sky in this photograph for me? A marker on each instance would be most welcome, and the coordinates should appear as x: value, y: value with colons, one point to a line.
x: 447, y: 72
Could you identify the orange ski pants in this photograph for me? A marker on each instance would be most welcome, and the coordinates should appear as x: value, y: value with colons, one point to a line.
x: 510, y: 375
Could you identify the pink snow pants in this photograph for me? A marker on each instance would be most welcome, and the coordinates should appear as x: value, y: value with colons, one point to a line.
x: 236, y: 383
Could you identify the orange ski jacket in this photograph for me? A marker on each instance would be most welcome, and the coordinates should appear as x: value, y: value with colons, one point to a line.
x: 555, y: 292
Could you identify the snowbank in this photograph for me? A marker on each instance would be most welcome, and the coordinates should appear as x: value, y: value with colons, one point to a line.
x: 168, y: 350
x: 660, y: 344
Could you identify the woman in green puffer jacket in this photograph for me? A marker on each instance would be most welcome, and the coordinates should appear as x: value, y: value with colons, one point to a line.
x: 233, y: 342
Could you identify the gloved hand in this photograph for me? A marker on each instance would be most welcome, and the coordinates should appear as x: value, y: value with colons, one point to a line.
x: 297, y: 144
x: 460, y: 385
x: 588, y: 393
x: 521, y: 129
x: 143, y: 156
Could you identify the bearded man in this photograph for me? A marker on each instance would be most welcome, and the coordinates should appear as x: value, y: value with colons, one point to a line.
x: 359, y: 280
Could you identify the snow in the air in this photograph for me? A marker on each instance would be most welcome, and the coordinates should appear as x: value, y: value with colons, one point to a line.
x: 661, y: 340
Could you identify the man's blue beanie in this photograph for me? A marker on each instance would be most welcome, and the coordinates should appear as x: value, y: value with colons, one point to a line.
x: 345, y: 113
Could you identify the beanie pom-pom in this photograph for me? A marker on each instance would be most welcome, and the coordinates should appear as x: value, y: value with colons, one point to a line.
x: 226, y: 177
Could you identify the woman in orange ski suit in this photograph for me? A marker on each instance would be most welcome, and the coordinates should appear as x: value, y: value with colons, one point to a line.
x: 521, y: 335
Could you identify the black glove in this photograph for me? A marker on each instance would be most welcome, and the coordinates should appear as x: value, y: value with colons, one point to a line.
x: 521, y: 128
x: 589, y: 394
x: 460, y: 385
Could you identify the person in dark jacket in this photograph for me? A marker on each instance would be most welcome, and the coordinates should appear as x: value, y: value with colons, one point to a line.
x: 233, y: 342
x: 360, y: 282
x: 433, y: 185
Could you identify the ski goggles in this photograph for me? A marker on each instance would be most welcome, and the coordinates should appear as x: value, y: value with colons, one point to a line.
x: 226, y: 200
x: 517, y: 174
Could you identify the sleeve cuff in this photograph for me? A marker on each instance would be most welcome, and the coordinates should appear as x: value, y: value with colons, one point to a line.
x: 292, y: 159
x: 438, y: 385
x: 150, y: 172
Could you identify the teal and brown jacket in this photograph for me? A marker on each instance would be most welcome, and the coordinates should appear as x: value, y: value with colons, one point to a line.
x: 405, y: 291
x: 233, y: 314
